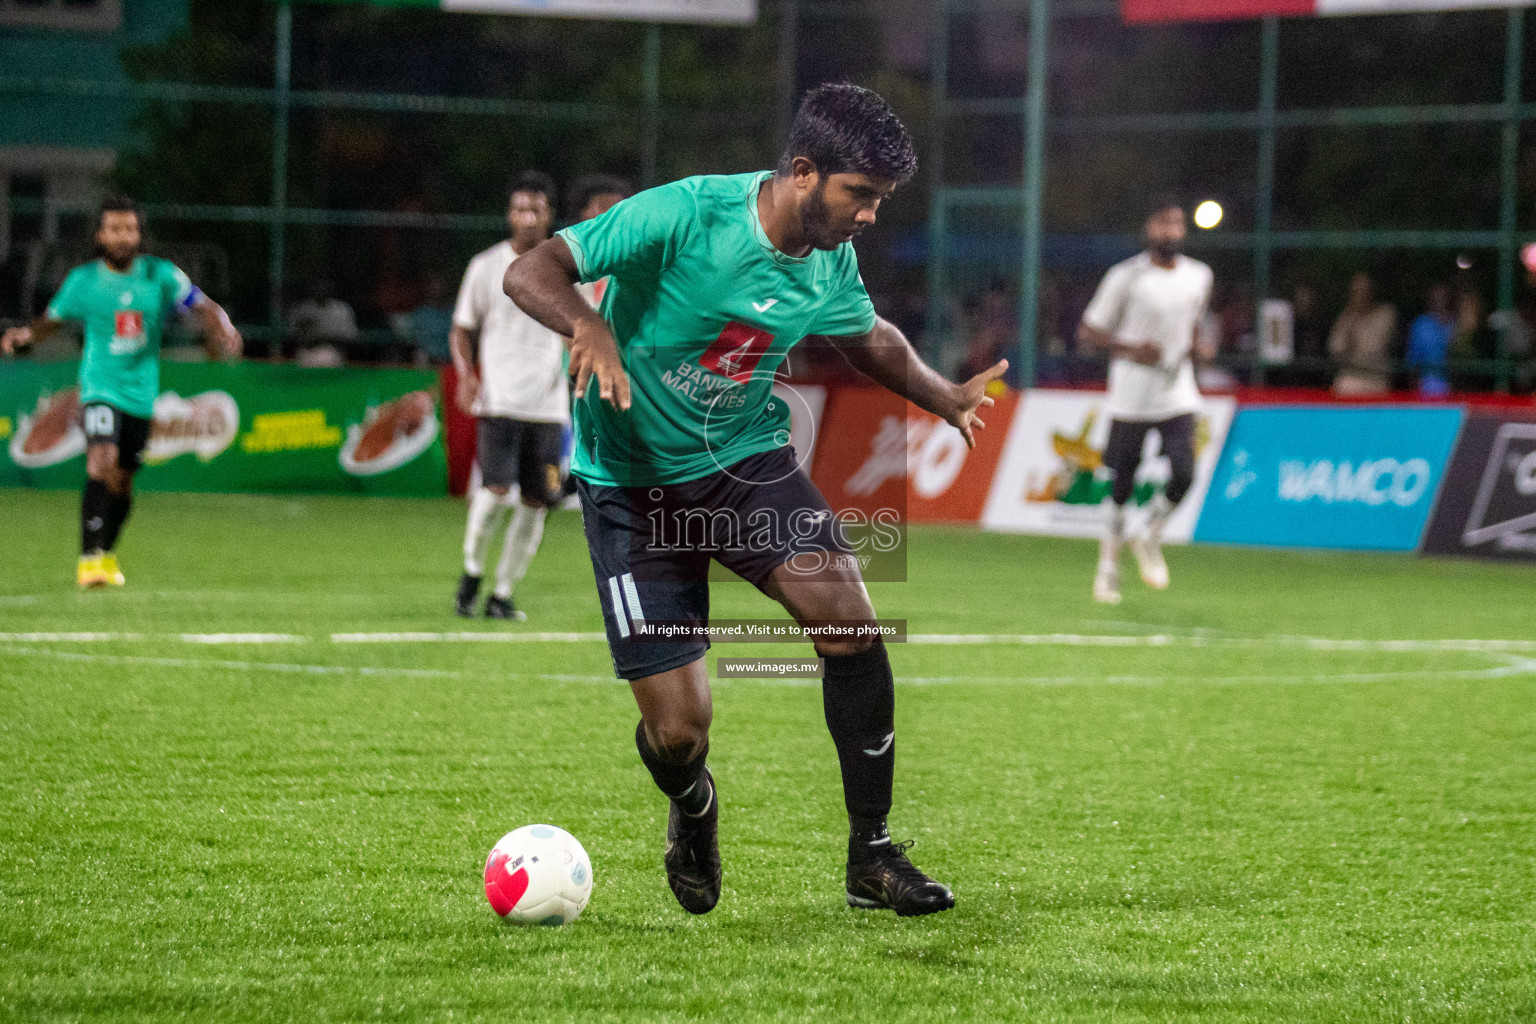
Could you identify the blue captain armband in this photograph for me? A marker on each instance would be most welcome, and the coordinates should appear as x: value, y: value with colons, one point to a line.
x: 194, y: 296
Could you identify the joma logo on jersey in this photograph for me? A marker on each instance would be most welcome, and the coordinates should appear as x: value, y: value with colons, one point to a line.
x: 127, y: 331
x: 736, y: 353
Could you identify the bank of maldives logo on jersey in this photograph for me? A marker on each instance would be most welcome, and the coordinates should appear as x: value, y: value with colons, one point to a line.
x: 1329, y: 477
x: 127, y: 331
x: 737, y: 351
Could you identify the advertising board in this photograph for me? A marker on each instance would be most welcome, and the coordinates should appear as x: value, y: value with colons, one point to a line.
x: 1329, y: 476
x: 1051, y: 479
x: 1487, y: 505
x: 881, y: 452
x: 241, y: 427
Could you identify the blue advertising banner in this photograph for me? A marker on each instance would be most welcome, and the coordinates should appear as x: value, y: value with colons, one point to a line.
x: 1329, y: 477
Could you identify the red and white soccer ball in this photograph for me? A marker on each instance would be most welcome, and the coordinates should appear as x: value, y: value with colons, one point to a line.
x: 538, y: 874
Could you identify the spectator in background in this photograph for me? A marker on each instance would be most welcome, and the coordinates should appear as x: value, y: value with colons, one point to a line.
x: 591, y: 195
x: 1429, y: 343
x: 1517, y: 331
x: 1235, y: 318
x: 321, y: 324
x: 1474, y: 338
x: 1361, y: 341
x: 1309, y: 334
x: 430, y: 322
x: 992, y: 332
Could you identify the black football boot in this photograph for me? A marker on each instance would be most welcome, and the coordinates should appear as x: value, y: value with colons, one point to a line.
x: 881, y: 877
x: 503, y: 608
x: 693, y: 854
x: 464, y: 603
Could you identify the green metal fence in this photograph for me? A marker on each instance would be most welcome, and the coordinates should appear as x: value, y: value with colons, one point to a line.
x: 283, y: 100
x: 1035, y: 123
x: 1020, y: 202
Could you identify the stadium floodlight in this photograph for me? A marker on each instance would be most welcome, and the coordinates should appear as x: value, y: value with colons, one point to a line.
x: 1208, y: 214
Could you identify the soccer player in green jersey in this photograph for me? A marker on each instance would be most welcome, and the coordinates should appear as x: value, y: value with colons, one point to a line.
x: 712, y: 281
x: 124, y: 299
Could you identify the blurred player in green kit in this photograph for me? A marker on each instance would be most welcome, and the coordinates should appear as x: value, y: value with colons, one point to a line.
x: 123, y: 299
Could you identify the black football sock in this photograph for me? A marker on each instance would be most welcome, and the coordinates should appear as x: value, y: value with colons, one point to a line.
x: 859, y: 698
x: 94, y: 512
x: 685, y: 783
x: 118, y: 507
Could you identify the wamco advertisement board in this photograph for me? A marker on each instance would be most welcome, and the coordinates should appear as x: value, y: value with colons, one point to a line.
x: 1329, y: 476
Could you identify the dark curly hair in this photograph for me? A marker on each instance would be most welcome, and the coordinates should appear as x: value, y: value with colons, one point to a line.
x: 534, y: 181
x: 116, y: 202
x: 845, y: 129
x: 581, y: 191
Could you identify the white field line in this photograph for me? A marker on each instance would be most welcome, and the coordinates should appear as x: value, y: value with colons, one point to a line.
x: 466, y: 637
x: 237, y: 666
x: 1175, y: 640
x: 75, y: 638
x: 135, y: 596
x: 1111, y: 640
x: 243, y: 638
x: 1512, y: 667
x: 284, y: 667
x: 185, y: 638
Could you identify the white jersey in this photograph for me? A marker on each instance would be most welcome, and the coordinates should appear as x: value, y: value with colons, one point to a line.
x: 522, y: 362
x: 1138, y: 301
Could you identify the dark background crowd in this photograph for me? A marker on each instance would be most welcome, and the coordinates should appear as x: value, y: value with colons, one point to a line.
x: 1356, y: 319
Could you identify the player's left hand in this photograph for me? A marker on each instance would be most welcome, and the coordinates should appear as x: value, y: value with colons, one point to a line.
x: 971, y: 396
x: 231, y: 342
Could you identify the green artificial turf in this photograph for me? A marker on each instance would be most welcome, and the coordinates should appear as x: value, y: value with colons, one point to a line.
x: 1235, y: 823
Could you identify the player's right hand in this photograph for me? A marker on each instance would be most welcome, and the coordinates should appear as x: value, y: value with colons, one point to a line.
x: 1147, y: 353
x: 594, y: 353
x: 15, y: 338
x: 466, y: 393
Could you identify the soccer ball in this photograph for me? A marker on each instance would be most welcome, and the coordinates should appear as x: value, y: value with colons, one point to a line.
x: 538, y: 874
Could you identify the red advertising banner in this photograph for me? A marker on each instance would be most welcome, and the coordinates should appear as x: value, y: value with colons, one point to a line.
x: 879, y: 451
x: 1228, y: 10
x: 1141, y: 11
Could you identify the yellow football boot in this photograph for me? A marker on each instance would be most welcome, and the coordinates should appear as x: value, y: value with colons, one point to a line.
x: 91, y: 573
x: 109, y: 568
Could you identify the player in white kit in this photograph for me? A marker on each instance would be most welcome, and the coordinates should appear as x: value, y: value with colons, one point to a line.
x: 516, y: 386
x: 1146, y: 314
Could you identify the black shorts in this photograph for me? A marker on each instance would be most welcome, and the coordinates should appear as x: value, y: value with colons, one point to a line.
x: 521, y: 452
x: 651, y: 548
x: 107, y: 424
x: 1127, y: 438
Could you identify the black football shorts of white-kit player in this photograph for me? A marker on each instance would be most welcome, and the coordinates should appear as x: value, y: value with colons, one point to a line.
x: 1143, y: 301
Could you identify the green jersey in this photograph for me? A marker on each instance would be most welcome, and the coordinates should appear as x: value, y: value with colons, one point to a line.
x: 704, y: 310
x: 124, y: 316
